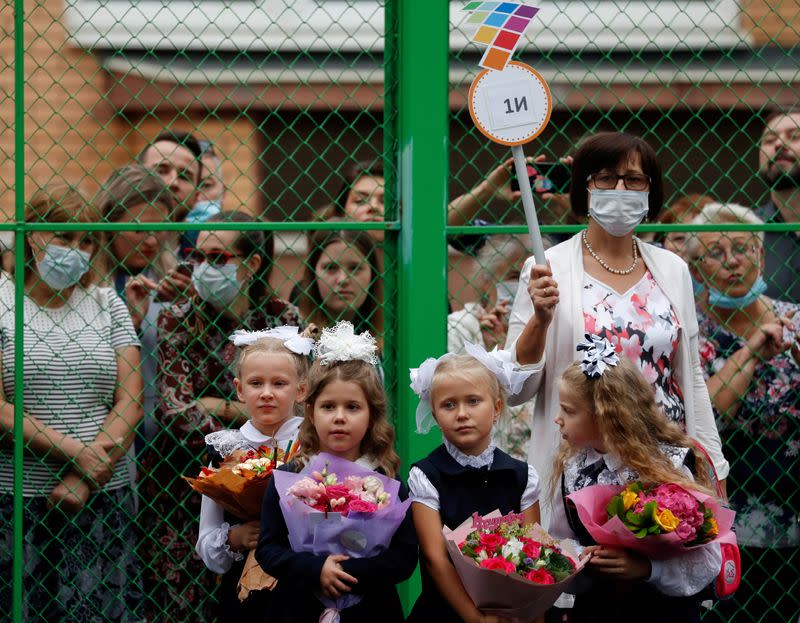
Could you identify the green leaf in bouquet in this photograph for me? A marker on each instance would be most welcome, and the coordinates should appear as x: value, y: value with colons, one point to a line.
x: 616, y: 507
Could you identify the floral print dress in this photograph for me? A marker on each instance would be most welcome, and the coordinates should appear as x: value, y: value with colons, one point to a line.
x: 191, y: 366
x: 642, y: 325
x: 762, y: 439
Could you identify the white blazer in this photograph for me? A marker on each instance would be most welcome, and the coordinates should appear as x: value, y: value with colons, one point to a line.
x: 567, y: 329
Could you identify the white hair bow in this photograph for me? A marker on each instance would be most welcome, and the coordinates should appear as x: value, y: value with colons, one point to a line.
x: 598, y: 356
x: 289, y: 335
x: 499, y: 362
x: 421, y: 379
x: 341, y: 343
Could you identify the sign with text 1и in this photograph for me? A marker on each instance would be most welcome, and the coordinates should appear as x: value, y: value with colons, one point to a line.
x: 509, y: 102
x: 510, y: 107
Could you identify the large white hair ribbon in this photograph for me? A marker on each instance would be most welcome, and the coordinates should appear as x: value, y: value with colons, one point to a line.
x: 342, y: 343
x: 289, y: 335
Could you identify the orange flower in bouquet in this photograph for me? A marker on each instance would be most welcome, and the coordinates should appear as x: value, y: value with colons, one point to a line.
x: 240, y: 482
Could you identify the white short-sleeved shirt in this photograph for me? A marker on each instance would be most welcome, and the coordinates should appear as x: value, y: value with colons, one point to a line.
x: 70, y: 373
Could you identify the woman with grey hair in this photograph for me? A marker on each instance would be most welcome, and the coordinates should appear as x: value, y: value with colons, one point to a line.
x: 749, y: 354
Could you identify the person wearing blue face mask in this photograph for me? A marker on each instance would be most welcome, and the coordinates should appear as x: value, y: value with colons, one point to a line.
x: 81, y: 406
x: 605, y: 281
x: 749, y: 353
x: 230, y: 275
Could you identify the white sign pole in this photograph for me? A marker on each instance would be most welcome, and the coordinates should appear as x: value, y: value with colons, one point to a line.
x: 521, y: 167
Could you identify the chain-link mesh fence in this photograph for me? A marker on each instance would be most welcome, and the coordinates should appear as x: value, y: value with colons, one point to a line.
x: 249, y: 157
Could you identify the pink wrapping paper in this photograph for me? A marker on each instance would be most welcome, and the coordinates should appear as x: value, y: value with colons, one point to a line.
x: 494, y: 592
x: 591, y: 502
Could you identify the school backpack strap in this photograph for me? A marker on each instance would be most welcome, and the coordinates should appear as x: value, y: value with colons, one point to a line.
x: 730, y: 574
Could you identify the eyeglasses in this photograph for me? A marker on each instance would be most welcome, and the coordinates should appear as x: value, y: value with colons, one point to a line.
x: 608, y: 181
x: 195, y: 257
x: 739, y: 251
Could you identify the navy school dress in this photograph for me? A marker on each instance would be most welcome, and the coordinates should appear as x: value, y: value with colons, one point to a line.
x: 294, y: 599
x: 463, y: 491
x: 618, y: 600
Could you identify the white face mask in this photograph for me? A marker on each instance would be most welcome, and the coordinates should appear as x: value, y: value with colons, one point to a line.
x: 62, y: 267
x: 618, y: 211
x: 218, y: 285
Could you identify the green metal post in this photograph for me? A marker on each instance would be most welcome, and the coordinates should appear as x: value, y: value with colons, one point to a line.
x: 423, y: 175
x: 390, y: 243
x: 19, y: 301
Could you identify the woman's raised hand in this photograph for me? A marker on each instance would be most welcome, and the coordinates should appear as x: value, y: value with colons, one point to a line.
x: 543, y: 291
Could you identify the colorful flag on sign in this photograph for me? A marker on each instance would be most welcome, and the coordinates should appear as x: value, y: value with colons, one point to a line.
x: 500, y: 28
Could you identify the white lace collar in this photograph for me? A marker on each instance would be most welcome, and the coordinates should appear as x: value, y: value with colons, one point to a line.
x: 582, y: 470
x: 484, y: 459
x: 287, y: 431
x: 226, y: 442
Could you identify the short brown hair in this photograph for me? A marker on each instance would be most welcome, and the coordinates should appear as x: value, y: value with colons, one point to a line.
x: 131, y: 186
x: 607, y: 150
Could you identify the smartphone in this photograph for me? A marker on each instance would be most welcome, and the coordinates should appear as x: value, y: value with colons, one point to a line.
x: 184, y: 268
x: 547, y: 177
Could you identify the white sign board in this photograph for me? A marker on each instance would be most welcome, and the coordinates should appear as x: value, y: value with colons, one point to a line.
x: 511, y: 107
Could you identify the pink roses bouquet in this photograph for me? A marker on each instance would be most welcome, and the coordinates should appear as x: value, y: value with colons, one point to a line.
x: 510, y: 569
x: 323, y: 492
x: 334, y: 506
x: 660, y: 521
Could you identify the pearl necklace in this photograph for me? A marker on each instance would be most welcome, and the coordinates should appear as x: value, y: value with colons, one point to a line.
x: 602, y: 262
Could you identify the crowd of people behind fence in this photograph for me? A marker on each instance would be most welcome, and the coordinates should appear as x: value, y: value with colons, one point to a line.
x: 128, y: 365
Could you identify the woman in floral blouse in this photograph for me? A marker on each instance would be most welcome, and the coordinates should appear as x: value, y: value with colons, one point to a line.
x: 749, y: 352
x: 230, y: 271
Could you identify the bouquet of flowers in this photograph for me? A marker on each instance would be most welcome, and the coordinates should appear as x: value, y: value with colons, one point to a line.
x: 238, y: 485
x: 659, y: 520
x: 508, y: 568
x: 334, y: 506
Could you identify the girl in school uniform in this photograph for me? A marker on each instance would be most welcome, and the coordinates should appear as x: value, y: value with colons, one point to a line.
x: 270, y: 380
x: 614, y: 433
x: 465, y: 396
x: 345, y: 415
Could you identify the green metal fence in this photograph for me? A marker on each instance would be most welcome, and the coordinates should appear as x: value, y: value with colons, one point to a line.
x: 291, y: 94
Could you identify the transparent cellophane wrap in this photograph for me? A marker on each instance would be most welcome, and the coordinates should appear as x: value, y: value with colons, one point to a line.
x: 512, y: 596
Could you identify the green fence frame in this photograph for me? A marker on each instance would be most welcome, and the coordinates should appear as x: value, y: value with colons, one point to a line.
x: 416, y: 117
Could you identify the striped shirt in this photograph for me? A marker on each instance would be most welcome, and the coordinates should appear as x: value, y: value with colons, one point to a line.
x: 70, y: 374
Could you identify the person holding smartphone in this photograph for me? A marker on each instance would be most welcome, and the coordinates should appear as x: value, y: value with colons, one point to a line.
x: 605, y: 281
x: 549, y: 180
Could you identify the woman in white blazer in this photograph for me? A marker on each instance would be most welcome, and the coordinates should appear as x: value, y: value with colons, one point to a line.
x: 605, y: 281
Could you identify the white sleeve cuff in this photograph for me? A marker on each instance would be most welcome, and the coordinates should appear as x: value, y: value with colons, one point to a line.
x: 216, y: 552
x: 656, y: 568
x: 688, y: 573
x: 421, y: 490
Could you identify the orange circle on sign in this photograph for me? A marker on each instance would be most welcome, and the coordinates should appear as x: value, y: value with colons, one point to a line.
x: 481, y: 119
